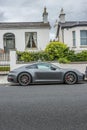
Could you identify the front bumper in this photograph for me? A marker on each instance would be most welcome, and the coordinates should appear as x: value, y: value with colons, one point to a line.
x: 12, y: 78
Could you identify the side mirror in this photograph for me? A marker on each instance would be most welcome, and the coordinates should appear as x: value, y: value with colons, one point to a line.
x: 52, y: 68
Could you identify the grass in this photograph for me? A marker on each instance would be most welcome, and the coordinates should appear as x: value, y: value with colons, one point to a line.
x: 4, y: 68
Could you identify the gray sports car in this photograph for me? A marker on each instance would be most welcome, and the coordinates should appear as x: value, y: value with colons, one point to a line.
x: 43, y: 72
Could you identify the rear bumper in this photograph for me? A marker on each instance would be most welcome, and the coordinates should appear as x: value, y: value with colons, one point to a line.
x: 84, y: 77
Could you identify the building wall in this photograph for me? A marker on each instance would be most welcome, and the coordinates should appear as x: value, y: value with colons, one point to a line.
x: 42, y: 37
x: 68, y: 39
x: 60, y: 35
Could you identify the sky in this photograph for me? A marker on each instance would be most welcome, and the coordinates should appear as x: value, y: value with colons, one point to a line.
x: 31, y: 11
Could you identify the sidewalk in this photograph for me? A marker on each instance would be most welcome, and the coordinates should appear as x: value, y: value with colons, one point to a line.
x: 3, y: 79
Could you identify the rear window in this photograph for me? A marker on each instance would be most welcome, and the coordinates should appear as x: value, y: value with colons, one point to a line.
x: 32, y: 67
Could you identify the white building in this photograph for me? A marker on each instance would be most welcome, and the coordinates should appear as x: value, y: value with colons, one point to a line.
x: 25, y: 35
x: 72, y: 33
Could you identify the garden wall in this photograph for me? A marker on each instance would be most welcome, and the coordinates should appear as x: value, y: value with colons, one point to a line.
x: 79, y: 66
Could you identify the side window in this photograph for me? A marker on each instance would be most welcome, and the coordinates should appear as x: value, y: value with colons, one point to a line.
x: 43, y: 66
x: 32, y: 67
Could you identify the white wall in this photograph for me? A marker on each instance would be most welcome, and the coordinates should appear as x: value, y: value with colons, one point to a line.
x: 42, y: 37
x: 60, y: 35
x: 1, y: 39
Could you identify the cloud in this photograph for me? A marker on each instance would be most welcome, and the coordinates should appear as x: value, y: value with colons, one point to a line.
x: 31, y: 10
x: 2, y: 16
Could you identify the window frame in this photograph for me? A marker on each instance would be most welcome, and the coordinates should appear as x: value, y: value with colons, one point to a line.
x: 74, y: 38
x: 82, y: 38
x: 27, y: 42
x: 8, y: 41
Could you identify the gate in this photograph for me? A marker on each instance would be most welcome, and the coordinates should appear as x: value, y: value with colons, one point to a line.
x: 4, y: 62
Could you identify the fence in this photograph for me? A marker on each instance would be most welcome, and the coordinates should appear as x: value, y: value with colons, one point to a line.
x: 4, y: 63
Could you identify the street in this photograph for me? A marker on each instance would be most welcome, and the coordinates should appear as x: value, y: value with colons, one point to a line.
x: 43, y: 107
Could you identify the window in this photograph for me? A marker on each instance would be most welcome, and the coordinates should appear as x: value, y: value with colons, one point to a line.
x: 32, y: 66
x: 83, y: 37
x: 43, y: 66
x: 9, y: 41
x: 74, y: 38
x: 31, y: 39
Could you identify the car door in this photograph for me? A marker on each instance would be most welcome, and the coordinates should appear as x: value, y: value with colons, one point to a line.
x: 47, y: 73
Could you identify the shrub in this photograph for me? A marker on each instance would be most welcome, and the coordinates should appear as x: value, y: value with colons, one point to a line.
x: 82, y: 56
x: 63, y: 60
x: 56, y: 50
x: 53, y: 51
x: 32, y: 56
x: 71, y: 56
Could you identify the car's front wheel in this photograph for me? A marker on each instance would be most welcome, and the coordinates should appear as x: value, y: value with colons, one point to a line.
x: 70, y: 78
x: 24, y: 79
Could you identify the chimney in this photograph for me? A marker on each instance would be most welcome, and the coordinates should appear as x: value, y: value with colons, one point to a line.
x: 45, y: 16
x: 62, y: 16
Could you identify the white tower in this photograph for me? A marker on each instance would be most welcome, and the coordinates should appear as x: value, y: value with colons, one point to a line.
x: 62, y: 16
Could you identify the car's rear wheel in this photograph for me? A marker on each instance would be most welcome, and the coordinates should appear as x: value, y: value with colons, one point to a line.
x: 70, y: 78
x: 24, y: 79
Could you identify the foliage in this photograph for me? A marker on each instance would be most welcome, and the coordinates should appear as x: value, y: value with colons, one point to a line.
x: 56, y: 50
x: 32, y: 56
x: 75, y: 57
x: 71, y: 56
x: 82, y: 56
x: 63, y: 60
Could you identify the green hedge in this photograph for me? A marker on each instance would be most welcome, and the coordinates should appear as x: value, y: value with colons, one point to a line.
x: 33, y: 56
x: 75, y: 57
x: 70, y: 56
x: 55, y: 51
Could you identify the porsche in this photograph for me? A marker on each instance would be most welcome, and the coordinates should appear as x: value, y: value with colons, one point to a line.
x: 44, y: 72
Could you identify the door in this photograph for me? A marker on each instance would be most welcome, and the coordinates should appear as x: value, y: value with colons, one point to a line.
x: 46, y: 73
x: 9, y: 42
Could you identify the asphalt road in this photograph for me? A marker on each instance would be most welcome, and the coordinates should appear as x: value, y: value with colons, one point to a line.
x: 43, y: 107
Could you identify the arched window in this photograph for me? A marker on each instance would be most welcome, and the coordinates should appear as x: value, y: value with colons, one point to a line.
x: 9, y: 41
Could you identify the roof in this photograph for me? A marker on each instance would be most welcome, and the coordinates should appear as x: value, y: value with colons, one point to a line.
x: 23, y: 25
x: 71, y: 24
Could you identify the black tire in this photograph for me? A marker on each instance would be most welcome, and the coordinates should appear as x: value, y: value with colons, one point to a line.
x: 70, y: 78
x: 24, y: 79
